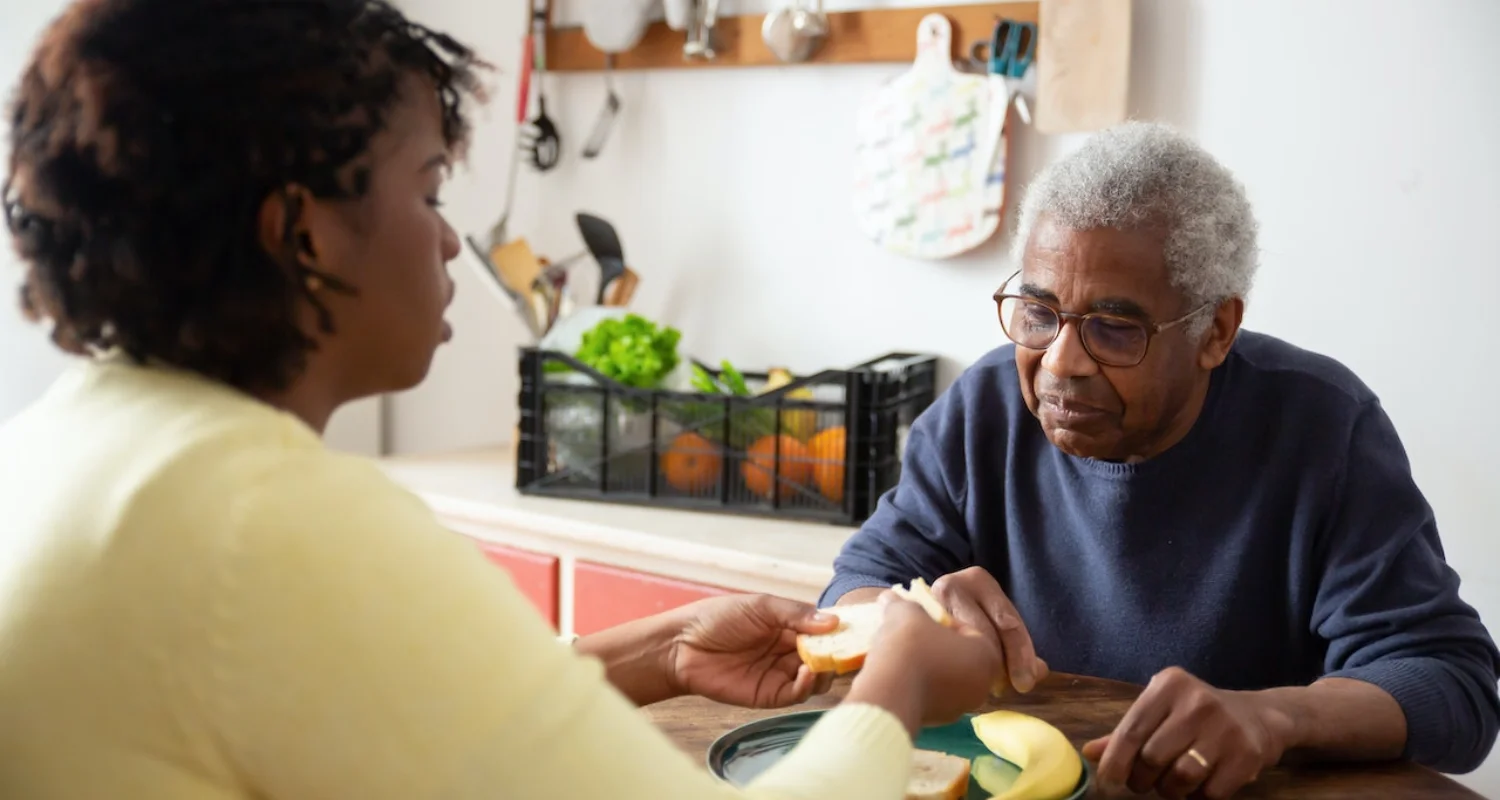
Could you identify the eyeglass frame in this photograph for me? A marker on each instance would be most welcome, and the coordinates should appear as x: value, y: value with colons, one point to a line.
x: 1151, y: 328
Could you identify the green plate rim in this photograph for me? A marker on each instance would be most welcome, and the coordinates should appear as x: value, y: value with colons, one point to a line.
x: 713, y: 759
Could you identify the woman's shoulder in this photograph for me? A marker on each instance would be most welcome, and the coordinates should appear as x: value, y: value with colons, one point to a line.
x: 221, y: 462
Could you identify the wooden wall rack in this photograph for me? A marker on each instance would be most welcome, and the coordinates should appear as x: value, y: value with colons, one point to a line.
x: 856, y: 37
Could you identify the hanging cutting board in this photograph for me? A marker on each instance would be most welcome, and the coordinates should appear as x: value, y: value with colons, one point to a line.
x: 930, y: 154
x: 1083, y: 66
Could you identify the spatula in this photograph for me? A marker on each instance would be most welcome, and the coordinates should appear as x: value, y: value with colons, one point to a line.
x: 604, y: 246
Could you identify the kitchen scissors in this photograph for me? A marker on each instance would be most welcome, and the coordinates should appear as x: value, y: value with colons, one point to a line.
x: 1009, y: 50
x: 1007, y: 55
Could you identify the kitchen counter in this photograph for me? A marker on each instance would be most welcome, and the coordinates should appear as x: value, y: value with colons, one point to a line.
x: 474, y: 494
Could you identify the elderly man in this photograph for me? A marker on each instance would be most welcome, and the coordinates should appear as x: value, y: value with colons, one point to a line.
x: 1137, y: 489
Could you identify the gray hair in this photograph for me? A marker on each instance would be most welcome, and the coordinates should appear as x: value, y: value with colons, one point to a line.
x: 1147, y: 175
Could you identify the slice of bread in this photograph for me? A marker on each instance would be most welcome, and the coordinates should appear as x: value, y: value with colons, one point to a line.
x: 843, y: 649
x: 921, y: 594
x: 937, y: 776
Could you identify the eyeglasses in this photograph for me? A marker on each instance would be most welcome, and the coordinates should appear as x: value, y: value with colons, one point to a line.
x: 1110, y: 339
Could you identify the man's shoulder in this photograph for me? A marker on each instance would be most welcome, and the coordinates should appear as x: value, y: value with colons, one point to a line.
x: 992, y: 375
x: 985, y: 393
x: 1000, y: 359
x: 1276, y: 364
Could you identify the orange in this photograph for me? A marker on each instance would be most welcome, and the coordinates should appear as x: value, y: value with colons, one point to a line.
x: 691, y: 463
x: 760, y: 462
x: 827, y: 452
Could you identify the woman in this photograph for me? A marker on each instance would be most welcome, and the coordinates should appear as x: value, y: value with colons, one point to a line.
x: 229, y: 208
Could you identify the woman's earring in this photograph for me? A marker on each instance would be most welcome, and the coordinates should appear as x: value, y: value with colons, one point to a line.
x: 313, y: 283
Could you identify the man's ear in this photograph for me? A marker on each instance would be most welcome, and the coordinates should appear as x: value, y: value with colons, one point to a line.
x: 1221, y: 334
x: 285, y: 229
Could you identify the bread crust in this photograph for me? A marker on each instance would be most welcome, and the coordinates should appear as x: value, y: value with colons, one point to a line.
x: 833, y: 662
x: 821, y: 662
x: 957, y: 788
x: 817, y: 662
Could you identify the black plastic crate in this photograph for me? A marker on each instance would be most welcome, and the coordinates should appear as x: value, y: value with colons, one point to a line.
x: 778, y: 453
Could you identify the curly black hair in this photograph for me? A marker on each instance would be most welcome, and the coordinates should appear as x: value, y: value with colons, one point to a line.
x: 146, y: 135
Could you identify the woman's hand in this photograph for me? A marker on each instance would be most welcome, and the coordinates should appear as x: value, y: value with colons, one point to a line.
x: 977, y: 603
x: 922, y: 672
x: 742, y: 650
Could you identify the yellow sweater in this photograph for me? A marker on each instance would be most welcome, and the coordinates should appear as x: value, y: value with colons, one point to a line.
x: 198, y: 600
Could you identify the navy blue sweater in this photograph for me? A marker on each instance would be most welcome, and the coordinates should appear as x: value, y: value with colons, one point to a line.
x: 1281, y: 540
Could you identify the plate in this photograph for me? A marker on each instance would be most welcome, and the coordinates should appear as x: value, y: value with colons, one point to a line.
x: 745, y: 752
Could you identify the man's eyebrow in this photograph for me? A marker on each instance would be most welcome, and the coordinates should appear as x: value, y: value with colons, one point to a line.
x: 1108, y: 305
x: 1119, y: 305
x: 1032, y: 290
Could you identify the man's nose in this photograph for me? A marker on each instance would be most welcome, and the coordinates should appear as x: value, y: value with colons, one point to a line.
x: 1066, y: 356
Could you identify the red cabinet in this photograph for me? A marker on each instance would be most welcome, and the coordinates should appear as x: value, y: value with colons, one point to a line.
x: 535, y: 574
x: 607, y: 596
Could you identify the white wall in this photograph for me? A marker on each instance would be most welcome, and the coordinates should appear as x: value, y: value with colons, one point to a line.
x: 1367, y: 144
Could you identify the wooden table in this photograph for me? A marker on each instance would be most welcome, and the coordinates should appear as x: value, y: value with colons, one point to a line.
x: 1084, y: 709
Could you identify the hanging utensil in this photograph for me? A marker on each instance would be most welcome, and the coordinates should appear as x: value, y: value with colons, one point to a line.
x: 679, y: 13
x: 545, y: 141
x: 546, y: 147
x: 1008, y: 54
x: 795, y: 33
x: 607, y: 115
x: 701, y: 31
x: 499, y: 232
x: 614, y: 26
x: 604, y: 245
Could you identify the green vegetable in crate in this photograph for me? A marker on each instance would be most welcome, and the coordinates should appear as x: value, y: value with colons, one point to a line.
x: 729, y: 381
x: 705, y: 382
x: 733, y: 379
x: 749, y: 424
x: 632, y: 350
x: 746, y: 423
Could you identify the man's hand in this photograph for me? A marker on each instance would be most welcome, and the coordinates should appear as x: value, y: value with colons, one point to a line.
x: 742, y: 650
x: 1183, y: 737
x: 976, y: 601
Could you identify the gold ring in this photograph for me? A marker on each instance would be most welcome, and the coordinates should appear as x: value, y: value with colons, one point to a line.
x: 1198, y: 757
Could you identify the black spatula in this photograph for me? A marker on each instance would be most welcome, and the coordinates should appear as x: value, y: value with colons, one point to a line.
x: 604, y: 245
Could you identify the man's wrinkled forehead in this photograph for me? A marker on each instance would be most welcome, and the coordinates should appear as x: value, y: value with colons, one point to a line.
x: 1102, y: 269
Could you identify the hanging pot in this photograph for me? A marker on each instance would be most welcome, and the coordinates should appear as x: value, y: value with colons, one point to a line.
x: 614, y: 26
x: 795, y: 33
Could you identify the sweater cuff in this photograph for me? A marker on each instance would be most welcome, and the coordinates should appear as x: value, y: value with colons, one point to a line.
x: 845, y: 583
x: 1429, y: 720
x: 853, y: 750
